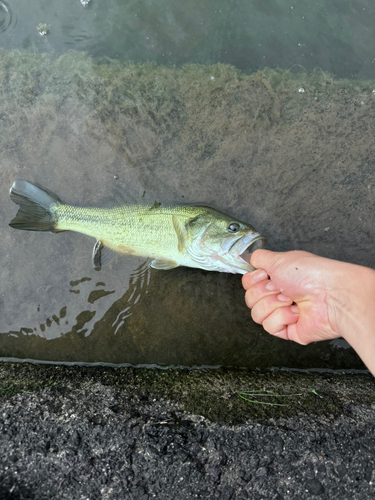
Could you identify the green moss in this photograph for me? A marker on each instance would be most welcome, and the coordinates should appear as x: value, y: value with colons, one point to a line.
x: 199, y: 104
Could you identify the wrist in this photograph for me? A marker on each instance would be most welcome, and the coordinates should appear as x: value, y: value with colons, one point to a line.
x: 353, y: 311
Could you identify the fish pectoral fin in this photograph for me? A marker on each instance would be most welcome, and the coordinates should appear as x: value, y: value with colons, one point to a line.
x: 101, y: 255
x: 179, y: 227
x: 163, y: 264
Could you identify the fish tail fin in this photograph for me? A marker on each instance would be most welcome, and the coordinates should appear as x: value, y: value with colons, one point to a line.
x: 37, y: 207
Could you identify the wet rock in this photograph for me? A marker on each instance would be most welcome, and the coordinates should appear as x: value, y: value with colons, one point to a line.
x: 341, y: 470
x: 314, y: 487
x: 261, y: 472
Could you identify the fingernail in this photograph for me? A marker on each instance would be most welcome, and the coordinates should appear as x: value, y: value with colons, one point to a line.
x: 270, y: 286
x: 294, y: 309
x: 283, y: 298
x: 260, y: 275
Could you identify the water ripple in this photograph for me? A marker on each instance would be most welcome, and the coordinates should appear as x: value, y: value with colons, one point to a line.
x: 8, y: 20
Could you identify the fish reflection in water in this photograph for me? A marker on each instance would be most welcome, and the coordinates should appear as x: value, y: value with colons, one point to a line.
x: 139, y: 280
x: 180, y: 235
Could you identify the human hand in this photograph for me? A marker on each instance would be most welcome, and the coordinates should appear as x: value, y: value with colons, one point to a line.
x: 293, y: 294
x: 302, y: 297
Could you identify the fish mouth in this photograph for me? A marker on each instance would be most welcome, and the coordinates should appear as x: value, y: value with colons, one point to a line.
x: 244, y: 247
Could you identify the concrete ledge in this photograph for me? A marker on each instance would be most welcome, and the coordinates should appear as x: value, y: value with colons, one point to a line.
x: 82, y: 432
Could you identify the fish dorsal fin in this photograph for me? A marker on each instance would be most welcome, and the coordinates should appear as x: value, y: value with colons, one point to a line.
x: 155, y: 206
x: 126, y: 193
x: 119, y: 196
x: 163, y: 264
x: 101, y: 255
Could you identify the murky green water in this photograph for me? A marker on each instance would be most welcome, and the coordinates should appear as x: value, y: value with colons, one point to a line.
x: 264, y: 110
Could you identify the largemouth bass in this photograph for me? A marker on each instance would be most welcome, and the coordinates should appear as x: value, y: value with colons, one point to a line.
x: 180, y: 235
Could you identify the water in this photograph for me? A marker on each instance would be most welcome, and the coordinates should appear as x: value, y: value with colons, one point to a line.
x: 262, y: 109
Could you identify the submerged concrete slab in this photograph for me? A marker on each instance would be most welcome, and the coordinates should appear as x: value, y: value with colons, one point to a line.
x: 290, y: 153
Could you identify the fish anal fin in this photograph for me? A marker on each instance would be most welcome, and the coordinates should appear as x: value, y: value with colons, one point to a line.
x: 101, y: 255
x: 163, y: 264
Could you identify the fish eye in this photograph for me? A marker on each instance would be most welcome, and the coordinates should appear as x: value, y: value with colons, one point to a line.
x: 233, y: 227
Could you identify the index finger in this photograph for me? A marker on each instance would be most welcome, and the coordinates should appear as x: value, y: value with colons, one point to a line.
x: 250, y: 279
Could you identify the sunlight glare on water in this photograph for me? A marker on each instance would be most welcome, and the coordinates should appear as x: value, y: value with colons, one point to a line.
x: 42, y: 29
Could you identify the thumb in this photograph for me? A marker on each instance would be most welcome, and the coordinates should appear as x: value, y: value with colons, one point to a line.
x: 264, y: 259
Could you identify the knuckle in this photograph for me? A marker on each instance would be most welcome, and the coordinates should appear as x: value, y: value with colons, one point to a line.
x: 274, y: 322
x: 249, y: 299
x: 256, y: 315
x: 246, y: 281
